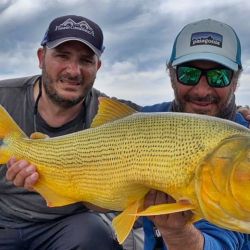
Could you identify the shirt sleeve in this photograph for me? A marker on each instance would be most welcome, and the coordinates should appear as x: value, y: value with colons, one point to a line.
x: 217, y: 238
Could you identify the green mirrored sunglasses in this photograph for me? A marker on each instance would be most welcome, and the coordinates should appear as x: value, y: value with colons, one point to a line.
x: 216, y: 77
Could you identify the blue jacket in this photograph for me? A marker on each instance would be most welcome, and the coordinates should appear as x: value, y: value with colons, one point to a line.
x: 215, y: 237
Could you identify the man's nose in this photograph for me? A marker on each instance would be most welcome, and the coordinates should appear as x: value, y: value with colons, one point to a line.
x: 202, y: 88
x: 74, y: 68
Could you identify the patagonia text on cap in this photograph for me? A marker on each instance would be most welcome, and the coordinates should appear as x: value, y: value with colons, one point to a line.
x: 207, y: 40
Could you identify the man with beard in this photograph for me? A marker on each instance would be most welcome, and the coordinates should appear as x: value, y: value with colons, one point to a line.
x: 204, y: 69
x: 60, y: 101
x: 64, y: 101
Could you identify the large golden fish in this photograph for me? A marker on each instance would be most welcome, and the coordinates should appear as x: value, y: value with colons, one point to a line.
x: 202, y: 161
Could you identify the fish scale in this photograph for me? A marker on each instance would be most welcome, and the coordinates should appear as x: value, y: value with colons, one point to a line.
x: 144, y: 136
x: 117, y: 161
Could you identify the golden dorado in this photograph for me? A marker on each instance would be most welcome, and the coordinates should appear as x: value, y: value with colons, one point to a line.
x: 203, y: 162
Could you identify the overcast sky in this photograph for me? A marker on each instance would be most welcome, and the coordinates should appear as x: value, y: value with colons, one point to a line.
x: 138, y: 36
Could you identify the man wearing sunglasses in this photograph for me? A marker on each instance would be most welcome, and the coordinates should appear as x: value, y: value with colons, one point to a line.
x: 22, y: 176
x: 204, y: 69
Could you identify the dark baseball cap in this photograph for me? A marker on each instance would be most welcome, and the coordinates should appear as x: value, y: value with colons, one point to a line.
x: 74, y: 28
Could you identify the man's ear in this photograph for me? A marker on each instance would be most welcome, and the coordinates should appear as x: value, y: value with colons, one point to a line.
x: 41, y: 56
x: 172, y: 76
x: 99, y: 64
x: 234, y: 85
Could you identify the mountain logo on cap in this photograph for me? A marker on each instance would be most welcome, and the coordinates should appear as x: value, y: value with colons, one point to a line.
x: 206, y: 38
x: 70, y: 24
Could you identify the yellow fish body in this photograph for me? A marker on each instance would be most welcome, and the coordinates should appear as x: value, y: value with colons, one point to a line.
x: 202, y: 161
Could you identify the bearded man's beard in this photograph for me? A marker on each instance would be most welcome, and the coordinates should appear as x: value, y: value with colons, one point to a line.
x: 226, y: 109
x: 54, y: 95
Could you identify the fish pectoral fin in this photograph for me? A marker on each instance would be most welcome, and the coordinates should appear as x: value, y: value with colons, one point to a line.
x: 165, y: 209
x: 123, y: 223
x: 52, y: 198
x: 38, y: 135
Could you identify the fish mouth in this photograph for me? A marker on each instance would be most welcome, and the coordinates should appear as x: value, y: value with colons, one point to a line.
x: 223, y: 184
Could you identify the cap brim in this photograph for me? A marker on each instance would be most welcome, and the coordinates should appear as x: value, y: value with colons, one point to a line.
x: 207, y: 56
x: 55, y: 43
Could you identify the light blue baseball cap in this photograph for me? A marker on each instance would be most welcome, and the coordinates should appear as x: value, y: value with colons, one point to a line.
x: 207, y: 40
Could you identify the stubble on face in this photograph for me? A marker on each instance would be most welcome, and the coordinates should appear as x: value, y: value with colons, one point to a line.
x: 54, y: 96
x: 222, y: 107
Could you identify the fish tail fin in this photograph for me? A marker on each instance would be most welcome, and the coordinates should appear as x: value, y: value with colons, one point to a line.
x: 8, y: 127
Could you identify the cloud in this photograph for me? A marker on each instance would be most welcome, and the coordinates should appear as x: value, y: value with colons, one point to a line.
x: 138, y: 36
x: 126, y: 74
x: 19, y: 62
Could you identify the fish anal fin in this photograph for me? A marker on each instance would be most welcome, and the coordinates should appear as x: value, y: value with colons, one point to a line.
x: 52, y: 198
x: 168, y: 208
x: 110, y: 110
x: 123, y: 223
x: 38, y: 135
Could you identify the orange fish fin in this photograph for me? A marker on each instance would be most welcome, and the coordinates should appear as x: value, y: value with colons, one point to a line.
x: 4, y: 155
x: 123, y: 223
x: 38, y: 135
x: 165, y: 209
x: 8, y: 128
x: 195, y: 218
x: 52, y: 198
x: 8, y: 125
x: 110, y: 110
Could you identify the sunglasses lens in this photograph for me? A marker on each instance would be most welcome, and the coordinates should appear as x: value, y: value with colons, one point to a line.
x: 219, y: 78
x: 188, y: 75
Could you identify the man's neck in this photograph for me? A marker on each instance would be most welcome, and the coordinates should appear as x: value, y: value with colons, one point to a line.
x: 54, y: 115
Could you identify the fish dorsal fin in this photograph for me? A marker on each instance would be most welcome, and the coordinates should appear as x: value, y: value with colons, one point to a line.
x: 110, y: 110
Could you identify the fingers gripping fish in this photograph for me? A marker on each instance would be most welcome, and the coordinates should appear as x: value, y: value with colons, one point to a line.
x: 203, y: 162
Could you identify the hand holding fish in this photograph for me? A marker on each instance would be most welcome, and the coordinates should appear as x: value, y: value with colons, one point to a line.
x: 22, y: 173
x: 116, y: 162
x: 174, y: 227
x: 181, y: 219
x: 245, y: 111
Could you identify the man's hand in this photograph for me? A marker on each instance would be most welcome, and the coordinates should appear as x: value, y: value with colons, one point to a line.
x: 176, y: 230
x: 245, y: 112
x: 175, y: 221
x: 21, y: 173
